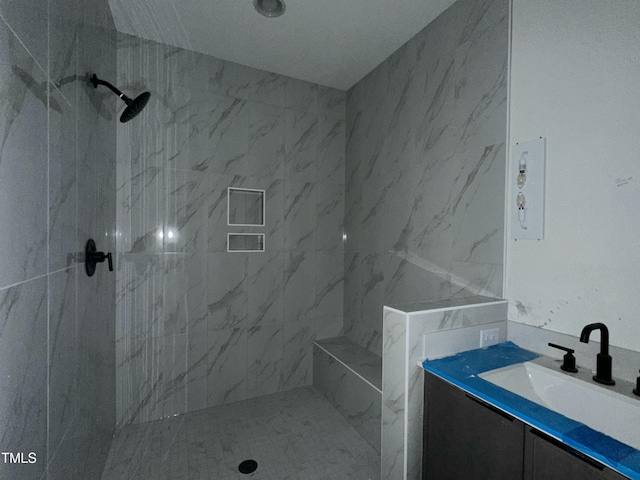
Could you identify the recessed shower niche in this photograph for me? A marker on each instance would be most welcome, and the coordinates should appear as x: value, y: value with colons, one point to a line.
x: 245, y: 242
x: 245, y: 208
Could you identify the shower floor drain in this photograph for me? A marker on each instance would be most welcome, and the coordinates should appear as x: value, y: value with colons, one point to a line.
x: 248, y: 466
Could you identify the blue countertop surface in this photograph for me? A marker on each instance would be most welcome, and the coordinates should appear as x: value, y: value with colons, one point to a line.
x: 462, y: 370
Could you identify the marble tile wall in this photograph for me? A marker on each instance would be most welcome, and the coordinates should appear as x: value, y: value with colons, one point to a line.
x: 349, y: 376
x: 425, y: 164
x: 407, y: 336
x: 198, y: 326
x: 57, y: 188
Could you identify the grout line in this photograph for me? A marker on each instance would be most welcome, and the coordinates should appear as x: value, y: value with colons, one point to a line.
x: 37, y: 277
x: 348, y: 367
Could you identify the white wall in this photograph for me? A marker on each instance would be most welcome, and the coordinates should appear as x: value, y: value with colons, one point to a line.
x: 575, y: 79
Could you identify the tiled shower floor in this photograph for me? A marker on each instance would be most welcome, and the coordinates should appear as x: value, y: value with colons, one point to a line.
x: 294, y: 435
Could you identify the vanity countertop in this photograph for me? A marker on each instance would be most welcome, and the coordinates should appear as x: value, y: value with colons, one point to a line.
x: 463, y: 369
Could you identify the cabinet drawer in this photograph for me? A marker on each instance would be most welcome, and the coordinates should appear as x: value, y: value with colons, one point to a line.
x: 465, y: 438
x: 549, y: 459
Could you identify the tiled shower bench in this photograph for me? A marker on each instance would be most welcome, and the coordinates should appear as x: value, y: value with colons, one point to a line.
x: 350, y: 377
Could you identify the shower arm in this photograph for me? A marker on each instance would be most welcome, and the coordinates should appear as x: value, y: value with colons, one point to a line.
x: 95, y: 81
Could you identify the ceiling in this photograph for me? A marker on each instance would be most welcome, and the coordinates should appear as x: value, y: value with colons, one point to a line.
x: 329, y: 42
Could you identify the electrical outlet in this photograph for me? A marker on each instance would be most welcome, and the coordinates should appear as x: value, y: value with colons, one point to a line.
x: 489, y: 337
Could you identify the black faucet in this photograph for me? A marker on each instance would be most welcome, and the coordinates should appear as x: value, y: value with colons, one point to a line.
x: 603, y: 367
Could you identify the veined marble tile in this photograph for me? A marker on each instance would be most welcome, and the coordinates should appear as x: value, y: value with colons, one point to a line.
x: 63, y: 184
x: 478, y: 234
x: 138, y: 59
x: 265, y: 286
x: 393, y: 394
x: 23, y: 375
x: 141, y: 210
x: 481, y: 278
x: 63, y: 355
x: 330, y: 218
x: 297, y: 353
x: 266, y: 130
x: 268, y: 88
x: 329, y: 283
x: 355, y: 399
x: 183, y: 140
x: 394, y: 360
x: 481, y: 55
x: 265, y: 164
x: 264, y: 359
x: 184, y: 294
x: 28, y: 20
x: 96, y: 334
x: 392, y: 449
x: 331, y: 150
x: 139, y: 297
x: 418, y: 309
x: 332, y: 102
x: 63, y: 51
x: 301, y: 146
x: 300, y: 215
x: 230, y: 79
x: 139, y: 387
x: 227, y: 295
x: 174, y: 375
x: 227, y: 127
x: 329, y: 327
x: 186, y: 68
x: 410, y: 277
x: 187, y: 196
x: 212, y: 133
x: 301, y: 96
x: 352, y: 274
x: 299, y: 288
x: 275, y: 212
x: 370, y: 299
x: 197, y: 366
x: 23, y: 169
x: 299, y: 322
x: 366, y: 364
x: 227, y: 366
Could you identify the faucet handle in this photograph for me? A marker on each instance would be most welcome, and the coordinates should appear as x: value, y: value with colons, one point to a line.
x: 568, y: 361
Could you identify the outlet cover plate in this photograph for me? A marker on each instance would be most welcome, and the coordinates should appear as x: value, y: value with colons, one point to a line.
x: 489, y: 337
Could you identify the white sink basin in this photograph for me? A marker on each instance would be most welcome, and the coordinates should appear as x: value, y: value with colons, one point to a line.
x: 603, y: 410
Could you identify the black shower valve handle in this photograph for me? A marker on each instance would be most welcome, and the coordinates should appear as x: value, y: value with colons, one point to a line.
x: 101, y: 257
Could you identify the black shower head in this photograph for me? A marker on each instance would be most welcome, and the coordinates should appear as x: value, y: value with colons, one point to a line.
x: 134, y: 107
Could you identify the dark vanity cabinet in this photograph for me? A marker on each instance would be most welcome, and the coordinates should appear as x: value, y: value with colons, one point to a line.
x: 465, y: 438
x: 549, y: 459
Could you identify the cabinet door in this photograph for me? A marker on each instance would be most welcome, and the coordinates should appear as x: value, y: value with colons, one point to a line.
x: 465, y: 438
x: 549, y: 459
